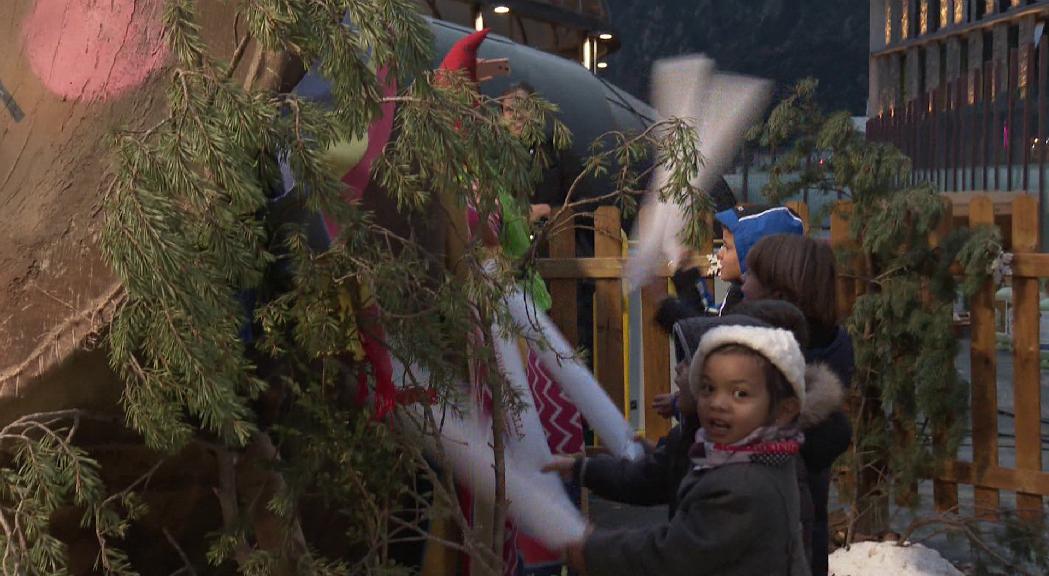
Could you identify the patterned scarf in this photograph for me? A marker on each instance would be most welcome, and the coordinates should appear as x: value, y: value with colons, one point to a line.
x: 768, y: 445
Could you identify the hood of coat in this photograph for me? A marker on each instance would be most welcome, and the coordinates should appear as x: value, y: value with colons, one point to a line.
x: 824, y: 394
x: 838, y: 355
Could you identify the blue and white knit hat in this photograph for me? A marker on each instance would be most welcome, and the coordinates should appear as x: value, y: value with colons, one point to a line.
x: 752, y: 223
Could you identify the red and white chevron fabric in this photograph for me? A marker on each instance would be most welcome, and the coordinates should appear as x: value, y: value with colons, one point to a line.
x: 561, y: 419
x: 563, y: 426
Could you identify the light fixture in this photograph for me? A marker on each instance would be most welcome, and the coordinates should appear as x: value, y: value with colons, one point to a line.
x: 501, y: 9
x: 605, y: 35
x: 602, y: 64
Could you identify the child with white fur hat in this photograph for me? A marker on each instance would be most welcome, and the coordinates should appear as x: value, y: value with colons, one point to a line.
x: 738, y: 510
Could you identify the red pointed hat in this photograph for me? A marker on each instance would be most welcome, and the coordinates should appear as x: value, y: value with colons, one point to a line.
x: 463, y: 55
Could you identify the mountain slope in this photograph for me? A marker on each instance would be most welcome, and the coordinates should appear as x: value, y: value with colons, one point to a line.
x: 784, y: 40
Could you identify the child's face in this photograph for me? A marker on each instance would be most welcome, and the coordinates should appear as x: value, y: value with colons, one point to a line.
x: 512, y: 114
x: 729, y: 269
x: 733, y: 396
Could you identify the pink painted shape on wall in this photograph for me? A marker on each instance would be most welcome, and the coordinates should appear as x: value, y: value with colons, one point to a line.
x: 89, y: 50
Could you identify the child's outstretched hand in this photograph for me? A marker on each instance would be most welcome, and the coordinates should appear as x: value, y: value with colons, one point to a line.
x: 645, y: 443
x: 663, y: 404
x: 563, y: 465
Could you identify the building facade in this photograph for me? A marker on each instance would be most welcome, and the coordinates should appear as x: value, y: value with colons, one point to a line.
x: 962, y: 88
x: 918, y: 45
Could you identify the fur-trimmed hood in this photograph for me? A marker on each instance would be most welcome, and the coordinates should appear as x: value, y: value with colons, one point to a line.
x: 824, y: 394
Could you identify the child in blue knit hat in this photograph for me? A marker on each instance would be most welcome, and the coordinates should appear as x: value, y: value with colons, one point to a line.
x: 742, y: 227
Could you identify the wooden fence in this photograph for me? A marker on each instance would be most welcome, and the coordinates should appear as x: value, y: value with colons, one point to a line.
x: 984, y: 472
x: 564, y: 271
x: 1017, y: 214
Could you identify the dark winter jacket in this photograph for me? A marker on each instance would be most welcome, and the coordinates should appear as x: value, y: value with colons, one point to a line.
x: 827, y: 440
x: 732, y: 297
x: 737, y: 519
x: 652, y: 480
x: 655, y: 478
x: 832, y: 347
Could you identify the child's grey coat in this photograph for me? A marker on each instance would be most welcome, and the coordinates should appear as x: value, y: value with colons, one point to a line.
x: 734, y: 520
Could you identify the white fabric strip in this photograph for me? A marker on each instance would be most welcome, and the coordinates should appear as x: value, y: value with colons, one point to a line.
x: 526, y: 440
x: 577, y: 382
x: 722, y: 107
x: 537, y: 502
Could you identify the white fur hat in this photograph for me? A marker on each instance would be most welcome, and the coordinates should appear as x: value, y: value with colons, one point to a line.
x: 775, y: 344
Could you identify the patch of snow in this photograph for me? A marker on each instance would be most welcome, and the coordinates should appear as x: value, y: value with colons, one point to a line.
x: 889, y: 559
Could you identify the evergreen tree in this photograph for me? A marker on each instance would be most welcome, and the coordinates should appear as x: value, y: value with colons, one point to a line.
x: 189, y: 232
x: 907, y: 391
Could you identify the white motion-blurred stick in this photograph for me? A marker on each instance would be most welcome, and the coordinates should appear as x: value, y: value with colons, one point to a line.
x: 526, y: 440
x: 722, y: 107
x: 731, y: 105
x: 537, y: 501
x: 575, y: 380
x: 677, y: 91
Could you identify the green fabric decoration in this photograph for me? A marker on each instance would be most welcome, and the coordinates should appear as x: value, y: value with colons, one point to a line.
x: 515, y: 239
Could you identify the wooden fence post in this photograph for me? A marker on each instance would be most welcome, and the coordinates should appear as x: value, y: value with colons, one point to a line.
x: 1027, y: 398
x: 984, y: 385
x: 904, y: 429
x: 608, y: 310
x: 802, y: 210
x: 944, y: 492
x: 564, y: 292
x: 655, y: 358
x: 872, y: 514
x: 444, y: 559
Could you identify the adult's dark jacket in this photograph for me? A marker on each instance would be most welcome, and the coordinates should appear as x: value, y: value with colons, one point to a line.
x: 827, y: 440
